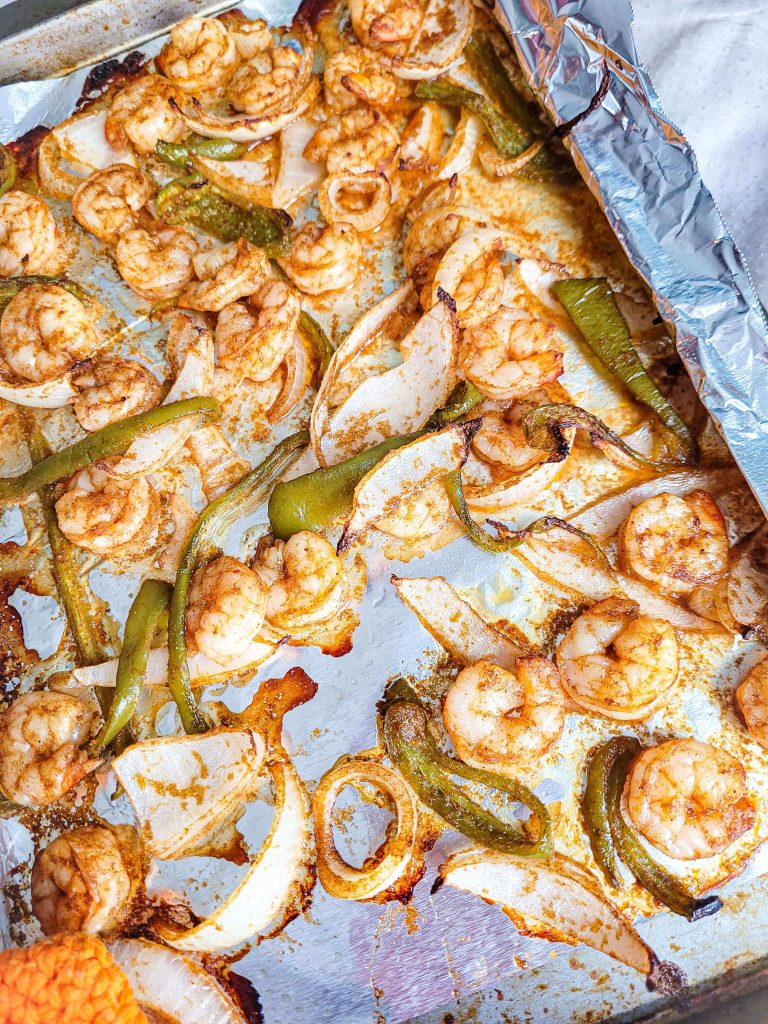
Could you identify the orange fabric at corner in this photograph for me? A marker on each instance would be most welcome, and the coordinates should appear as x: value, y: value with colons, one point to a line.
x: 67, y: 980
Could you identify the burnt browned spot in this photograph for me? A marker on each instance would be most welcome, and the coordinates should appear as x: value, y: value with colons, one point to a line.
x: 313, y: 11
x: 109, y: 75
x: 245, y: 995
x: 24, y: 150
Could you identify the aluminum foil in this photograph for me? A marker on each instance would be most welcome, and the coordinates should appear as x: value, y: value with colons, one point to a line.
x: 357, y: 963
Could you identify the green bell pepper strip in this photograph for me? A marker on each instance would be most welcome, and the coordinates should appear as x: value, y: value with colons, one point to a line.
x: 175, y: 195
x: 7, y: 170
x: 544, y: 426
x: 312, y: 501
x: 601, y: 806
x: 429, y: 771
x: 178, y: 154
x: 321, y: 343
x: 509, y: 137
x: 106, y: 443
x: 461, y: 401
x: 140, y: 627
x: 211, y: 522
x: 11, y: 287
x: 492, y: 75
x: 591, y: 305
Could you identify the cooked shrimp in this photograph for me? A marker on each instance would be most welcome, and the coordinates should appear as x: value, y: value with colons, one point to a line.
x: 430, y: 234
x: 118, y: 517
x: 752, y: 698
x: 109, y: 201
x: 44, y: 331
x: 200, y: 56
x: 40, y: 739
x: 31, y: 242
x: 676, y: 543
x: 356, y: 141
x: 501, y: 440
x: 617, y: 662
x: 225, y: 610
x: 357, y: 75
x: 112, y: 389
x: 265, y: 82
x: 510, y: 355
x: 227, y: 273
x: 505, y: 720
x: 309, y: 583
x: 249, y: 35
x: 252, y: 338
x: 159, y: 265
x: 389, y: 24
x: 323, y: 259
x: 141, y: 113
x: 689, y: 798
x: 80, y: 882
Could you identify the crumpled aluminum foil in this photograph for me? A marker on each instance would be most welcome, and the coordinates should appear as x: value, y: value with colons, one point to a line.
x: 357, y: 963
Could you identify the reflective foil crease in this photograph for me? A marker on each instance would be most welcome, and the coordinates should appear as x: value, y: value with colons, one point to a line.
x: 645, y: 176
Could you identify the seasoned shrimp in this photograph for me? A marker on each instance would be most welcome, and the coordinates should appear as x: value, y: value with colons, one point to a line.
x: 305, y: 579
x: 31, y: 242
x: 227, y: 273
x: 159, y: 265
x: 225, y: 610
x: 112, y: 389
x: 510, y: 355
x: 252, y: 338
x: 40, y: 739
x: 250, y: 36
x: 323, y: 259
x: 141, y: 114
x: 505, y: 720
x: 119, y: 517
x: 389, y: 24
x: 357, y: 75
x: 617, y: 662
x: 80, y: 882
x: 430, y: 234
x: 678, y: 544
x: 109, y: 201
x: 752, y: 698
x: 265, y: 82
x: 355, y: 142
x: 689, y: 798
x: 44, y: 331
x: 200, y: 56
x: 501, y: 440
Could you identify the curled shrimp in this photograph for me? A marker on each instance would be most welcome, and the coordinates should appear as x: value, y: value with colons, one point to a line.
x: 109, y: 201
x: 356, y: 75
x: 156, y: 265
x: 31, y: 242
x: 250, y: 35
x: 676, y: 543
x: 253, y: 338
x: 355, y: 142
x: 505, y: 720
x: 387, y: 24
x: 430, y: 234
x: 689, y: 798
x: 510, y: 355
x: 112, y: 389
x: 225, y: 610
x: 501, y: 440
x: 80, y: 882
x: 323, y: 259
x: 40, y: 739
x: 200, y: 56
x: 227, y: 273
x: 266, y: 82
x: 141, y: 114
x: 305, y: 580
x: 617, y: 662
x: 44, y: 331
x: 752, y: 699
x: 119, y: 517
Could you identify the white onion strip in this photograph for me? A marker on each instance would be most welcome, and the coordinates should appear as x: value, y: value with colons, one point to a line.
x: 360, y: 200
x: 51, y: 394
x: 461, y: 151
x: 245, y: 129
x: 296, y: 176
x: 433, y: 49
x: 338, y: 877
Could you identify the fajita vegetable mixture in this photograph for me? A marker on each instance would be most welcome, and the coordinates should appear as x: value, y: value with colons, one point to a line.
x: 286, y: 311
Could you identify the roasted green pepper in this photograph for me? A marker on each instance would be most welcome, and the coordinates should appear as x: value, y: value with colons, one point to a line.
x: 431, y: 773
x: 321, y: 343
x: 461, y: 401
x: 492, y: 75
x: 211, y: 522
x: 178, y: 154
x: 592, y: 307
x: 612, y: 836
x: 7, y: 170
x: 106, y: 443
x: 141, y: 624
